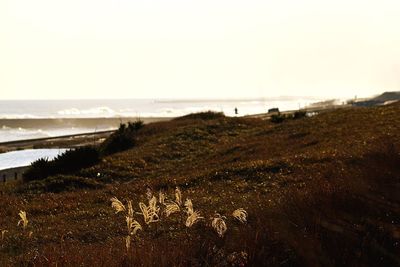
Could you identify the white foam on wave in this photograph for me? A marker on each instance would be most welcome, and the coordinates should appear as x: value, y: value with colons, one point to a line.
x: 92, y: 112
x: 19, y: 116
x: 142, y: 107
x: 14, y: 134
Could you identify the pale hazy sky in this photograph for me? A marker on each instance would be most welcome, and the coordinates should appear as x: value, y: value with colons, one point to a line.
x: 206, y: 48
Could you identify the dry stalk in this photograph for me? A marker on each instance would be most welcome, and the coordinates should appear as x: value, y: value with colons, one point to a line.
x: 3, y: 233
x: 127, y: 242
x: 149, y: 194
x: 161, y: 198
x: 132, y: 225
x: 130, y: 209
x: 178, y: 196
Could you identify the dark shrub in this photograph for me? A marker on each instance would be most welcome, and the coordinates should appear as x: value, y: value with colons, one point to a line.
x: 39, y: 169
x: 124, y: 138
x: 277, y: 118
x: 68, y: 162
x: 299, y: 114
x: 74, y: 160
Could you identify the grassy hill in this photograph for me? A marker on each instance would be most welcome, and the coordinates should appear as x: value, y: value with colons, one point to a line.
x: 319, y: 191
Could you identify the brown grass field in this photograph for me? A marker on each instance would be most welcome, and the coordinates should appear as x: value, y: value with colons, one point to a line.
x: 319, y: 191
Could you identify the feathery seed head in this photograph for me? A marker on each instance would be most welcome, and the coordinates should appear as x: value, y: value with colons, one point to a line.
x: 219, y: 224
x: 117, y: 205
x: 23, y: 221
x: 153, y: 204
x: 149, y: 194
x: 240, y: 215
x: 193, y: 218
x: 149, y: 213
x: 178, y: 196
x: 161, y: 198
x: 3, y: 233
x: 171, y: 207
x: 189, y: 206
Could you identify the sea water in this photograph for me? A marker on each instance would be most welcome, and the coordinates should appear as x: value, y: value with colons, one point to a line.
x: 20, y: 111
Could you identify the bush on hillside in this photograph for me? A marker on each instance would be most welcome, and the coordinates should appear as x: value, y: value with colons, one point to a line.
x: 207, y: 115
x: 299, y: 114
x: 278, y: 118
x: 39, y: 169
x: 70, y: 161
x: 124, y: 138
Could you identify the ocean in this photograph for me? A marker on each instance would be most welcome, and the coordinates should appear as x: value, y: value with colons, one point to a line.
x: 28, y: 119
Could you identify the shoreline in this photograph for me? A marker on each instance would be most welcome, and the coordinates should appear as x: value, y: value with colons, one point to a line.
x: 80, y: 139
x: 46, y: 123
x: 69, y: 140
x: 63, y: 141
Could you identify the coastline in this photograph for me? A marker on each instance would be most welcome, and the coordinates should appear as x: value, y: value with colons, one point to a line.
x: 46, y: 123
x: 65, y: 141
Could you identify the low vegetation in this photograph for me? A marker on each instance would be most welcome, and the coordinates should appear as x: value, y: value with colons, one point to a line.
x: 68, y: 162
x: 278, y: 118
x: 321, y: 191
x: 208, y: 115
x: 76, y: 159
x: 123, y: 139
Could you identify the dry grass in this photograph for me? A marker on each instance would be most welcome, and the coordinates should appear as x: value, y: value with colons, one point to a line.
x: 171, y: 207
x: 117, y: 205
x: 240, y: 214
x: 23, y: 219
x: 3, y: 234
x: 320, y: 191
x: 192, y: 218
x: 219, y: 224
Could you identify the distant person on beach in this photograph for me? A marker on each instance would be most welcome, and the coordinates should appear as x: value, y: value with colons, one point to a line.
x: 236, y: 111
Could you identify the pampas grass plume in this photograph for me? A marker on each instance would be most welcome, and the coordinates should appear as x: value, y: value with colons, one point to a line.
x: 240, y: 215
x: 117, y: 205
x: 24, y: 220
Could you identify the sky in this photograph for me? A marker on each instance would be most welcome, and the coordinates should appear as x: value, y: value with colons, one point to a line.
x: 53, y: 49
